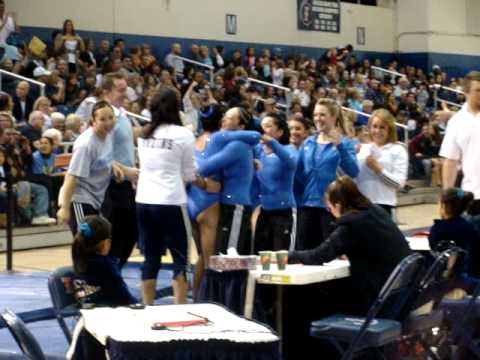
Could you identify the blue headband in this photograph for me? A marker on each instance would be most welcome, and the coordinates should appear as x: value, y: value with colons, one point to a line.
x: 85, y: 230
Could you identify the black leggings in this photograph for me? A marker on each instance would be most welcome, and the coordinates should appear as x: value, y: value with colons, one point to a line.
x: 119, y: 209
x: 162, y: 227
x: 275, y: 230
x: 314, y: 226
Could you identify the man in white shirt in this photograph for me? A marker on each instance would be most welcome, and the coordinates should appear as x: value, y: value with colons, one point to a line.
x: 461, y: 145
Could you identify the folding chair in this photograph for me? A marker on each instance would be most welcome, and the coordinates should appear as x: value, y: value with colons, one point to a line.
x: 422, y: 312
x: 60, y: 286
x: 462, y: 335
x: 24, y: 338
x: 370, y: 332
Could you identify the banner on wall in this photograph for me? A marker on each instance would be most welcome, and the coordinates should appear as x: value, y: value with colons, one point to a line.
x: 319, y: 15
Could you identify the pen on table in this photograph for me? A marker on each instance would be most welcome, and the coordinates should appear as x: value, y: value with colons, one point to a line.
x: 201, y: 317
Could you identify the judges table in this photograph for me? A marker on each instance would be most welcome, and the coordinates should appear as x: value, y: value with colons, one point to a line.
x: 126, y: 333
x: 418, y: 243
x: 293, y: 275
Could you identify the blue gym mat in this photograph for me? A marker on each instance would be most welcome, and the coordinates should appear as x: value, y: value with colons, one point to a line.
x: 28, y: 292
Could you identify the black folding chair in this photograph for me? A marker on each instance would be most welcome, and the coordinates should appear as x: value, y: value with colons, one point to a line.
x: 422, y: 312
x: 24, y: 338
x: 463, y: 320
x: 60, y: 286
x: 369, y: 332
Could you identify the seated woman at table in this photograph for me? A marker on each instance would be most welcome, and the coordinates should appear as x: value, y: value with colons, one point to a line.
x: 366, y: 234
x: 454, y: 227
x: 97, y: 276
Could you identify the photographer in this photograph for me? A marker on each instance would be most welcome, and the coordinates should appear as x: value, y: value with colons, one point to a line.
x: 32, y: 199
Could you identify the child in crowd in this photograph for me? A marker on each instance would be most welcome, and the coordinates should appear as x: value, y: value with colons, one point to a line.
x: 98, y: 279
x: 454, y: 227
x: 43, y: 169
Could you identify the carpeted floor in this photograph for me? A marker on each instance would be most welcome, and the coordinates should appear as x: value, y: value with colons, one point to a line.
x: 27, y: 291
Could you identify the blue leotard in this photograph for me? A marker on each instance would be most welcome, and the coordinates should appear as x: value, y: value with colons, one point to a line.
x: 199, y: 199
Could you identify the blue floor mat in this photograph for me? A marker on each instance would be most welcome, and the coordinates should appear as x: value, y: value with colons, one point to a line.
x: 28, y: 291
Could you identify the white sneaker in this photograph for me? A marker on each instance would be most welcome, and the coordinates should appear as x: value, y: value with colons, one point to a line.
x: 43, y: 220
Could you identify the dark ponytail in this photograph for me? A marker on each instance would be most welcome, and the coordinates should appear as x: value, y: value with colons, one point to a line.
x: 456, y: 201
x: 281, y: 125
x: 90, y: 234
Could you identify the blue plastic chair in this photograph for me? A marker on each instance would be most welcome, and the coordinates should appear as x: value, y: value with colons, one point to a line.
x: 369, y: 332
x: 61, y: 288
x: 24, y: 338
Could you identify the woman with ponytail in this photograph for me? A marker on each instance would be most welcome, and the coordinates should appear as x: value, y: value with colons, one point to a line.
x: 98, y: 278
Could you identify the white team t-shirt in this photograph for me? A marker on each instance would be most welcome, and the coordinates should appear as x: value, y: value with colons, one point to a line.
x: 462, y: 143
x: 167, y: 161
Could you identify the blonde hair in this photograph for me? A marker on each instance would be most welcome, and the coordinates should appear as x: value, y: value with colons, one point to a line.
x: 387, y: 118
x: 335, y: 111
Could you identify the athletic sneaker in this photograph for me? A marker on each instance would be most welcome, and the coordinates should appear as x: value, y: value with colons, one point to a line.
x: 43, y: 220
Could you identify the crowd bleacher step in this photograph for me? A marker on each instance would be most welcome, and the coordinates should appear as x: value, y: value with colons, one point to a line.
x: 36, y: 237
x: 418, y: 192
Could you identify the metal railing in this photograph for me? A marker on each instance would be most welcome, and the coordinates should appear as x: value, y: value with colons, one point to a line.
x: 288, y: 91
x: 20, y: 77
x: 197, y: 63
x: 437, y: 87
x: 396, y: 73
x: 397, y: 124
x: 140, y: 117
x: 279, y: 105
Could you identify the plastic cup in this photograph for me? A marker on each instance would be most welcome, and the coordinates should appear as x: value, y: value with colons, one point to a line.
x: 282, y: 259
x: 265, y: 259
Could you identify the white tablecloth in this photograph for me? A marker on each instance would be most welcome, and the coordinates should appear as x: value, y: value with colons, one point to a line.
x: 125, y: 324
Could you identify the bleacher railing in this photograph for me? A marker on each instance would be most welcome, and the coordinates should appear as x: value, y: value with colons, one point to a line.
x: 197, y: 63
x: 397, y: 124
x: 20, y: 77
x: 391, y: 72
x: 437, y: 87
x: 288, y: 91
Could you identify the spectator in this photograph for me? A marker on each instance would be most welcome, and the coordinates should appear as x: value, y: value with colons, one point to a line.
x: 8, y: 23
x: 22, y: 103
x: 70, y: 43
x: 32, y: 199
x: 57, y: 137
x: 218, y: 57
x: 6, y: 120
x: 173, y: 62
x: 102, y: 53
x: 424, y: 152
x: 43, y: 105
x: 73, y: 127
x: 33, y: 130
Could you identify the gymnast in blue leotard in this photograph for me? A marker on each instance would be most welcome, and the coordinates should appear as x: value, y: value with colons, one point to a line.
x: 235, y: 162
x: 203, y: 206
